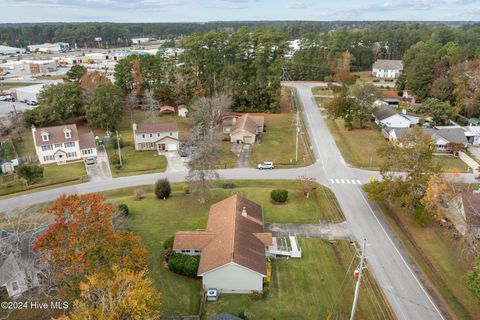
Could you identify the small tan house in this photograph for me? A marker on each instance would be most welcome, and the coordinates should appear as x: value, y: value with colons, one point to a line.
x: 156, y: 136
x: 233, y: 247
x: 247, y: 129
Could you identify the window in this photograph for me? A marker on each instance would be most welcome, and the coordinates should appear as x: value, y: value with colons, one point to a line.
x: 45, y: 136
x: 69, y: 144
x: 48, y: 158
x: 171, y: 133
x: 87, y: 151
x: 151, y: 135
x: 71, y: 154
x: 68, y: 133
x: 58, y: 145
x: 158, y: 134
x: 47, y: 147
x: 197, y: 251
x: 143, y: 136
x: 15, y: 286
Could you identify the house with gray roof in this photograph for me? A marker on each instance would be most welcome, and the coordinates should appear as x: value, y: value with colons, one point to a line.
x: 387, y: 117
x: 389, y: 69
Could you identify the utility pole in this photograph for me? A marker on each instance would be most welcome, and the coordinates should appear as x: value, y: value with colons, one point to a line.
x: 357, y: 286
x: 119, y: 150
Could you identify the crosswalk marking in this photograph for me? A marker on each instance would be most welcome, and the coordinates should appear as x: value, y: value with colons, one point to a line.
x: 345, y: 181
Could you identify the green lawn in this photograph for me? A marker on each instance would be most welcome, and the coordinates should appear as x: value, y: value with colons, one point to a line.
x: 359, y: 147
x: 10, y: 85
x: 310, y: 288
x: 278, y: 143
x: 441, y: 258
x: 156, y: 220
x: 227, y: 158
x: 53, y: 175
x: 321, y: 102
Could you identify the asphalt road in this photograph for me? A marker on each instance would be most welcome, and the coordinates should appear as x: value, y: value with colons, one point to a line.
x: 391, y: 269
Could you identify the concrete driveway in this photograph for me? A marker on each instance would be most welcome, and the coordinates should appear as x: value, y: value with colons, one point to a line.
x: 100, y: 170
x: 243, y: 153
x: 323, y: 230
x: 175, y: 162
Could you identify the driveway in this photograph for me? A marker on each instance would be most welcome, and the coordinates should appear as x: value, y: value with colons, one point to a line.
x: 100, y: 170
x: 323, y: 230
x: 243, y: 153
x: 175, y: 162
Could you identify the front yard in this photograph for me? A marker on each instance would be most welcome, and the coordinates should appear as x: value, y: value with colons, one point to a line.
x: 310, y: 288
x: 156, y: 220
x: 441, y: 258
x: 359, y: 147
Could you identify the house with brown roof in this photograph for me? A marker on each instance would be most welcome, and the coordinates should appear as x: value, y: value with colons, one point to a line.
x: 232, y: 249
x: 156, y: 136
x: 464, y: 211
x: 247, y: 129
x: 62, y: 144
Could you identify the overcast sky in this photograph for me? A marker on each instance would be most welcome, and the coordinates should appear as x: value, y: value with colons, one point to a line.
x: 215, y: 10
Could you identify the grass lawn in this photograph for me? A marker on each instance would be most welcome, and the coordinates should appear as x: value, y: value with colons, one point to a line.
x: 359, y: 147
x: 321, y: 101
x: 440, y: 257
x: 156, y: 220
x: 10, y: 85
x: 310, y: 288
x: 228, y: 159
x: 278, y: 143
x: 53, y: 175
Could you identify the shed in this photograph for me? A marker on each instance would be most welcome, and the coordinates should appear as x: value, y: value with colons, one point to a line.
x: 182, y: 111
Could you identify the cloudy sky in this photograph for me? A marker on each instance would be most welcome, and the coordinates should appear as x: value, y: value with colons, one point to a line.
x: 215, y: 10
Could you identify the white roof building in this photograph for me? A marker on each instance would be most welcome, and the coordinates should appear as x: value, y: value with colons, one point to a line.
x: 7, y: 51
x: 49, y: 47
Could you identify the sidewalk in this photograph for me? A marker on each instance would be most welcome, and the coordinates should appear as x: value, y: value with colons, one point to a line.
x: 469, y: 162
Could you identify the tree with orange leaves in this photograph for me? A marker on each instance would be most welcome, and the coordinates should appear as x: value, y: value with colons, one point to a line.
x: 82, y: 242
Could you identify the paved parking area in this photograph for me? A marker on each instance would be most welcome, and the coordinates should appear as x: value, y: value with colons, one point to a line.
x: 175, y: 162
x: 100, y: 170
x: 243, y: 153
x: 7, y: 107
x: 323, y: 230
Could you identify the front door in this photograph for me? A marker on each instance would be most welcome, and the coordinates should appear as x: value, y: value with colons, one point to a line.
x: 161, y: 147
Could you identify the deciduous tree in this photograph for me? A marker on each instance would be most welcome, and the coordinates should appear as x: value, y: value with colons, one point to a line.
x: 106, y: 107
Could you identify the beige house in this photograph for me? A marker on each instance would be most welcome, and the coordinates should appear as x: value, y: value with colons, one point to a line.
x: 247, y: 129
x: 62, y: 144
x: 156, y: 136
x: 233, y: 247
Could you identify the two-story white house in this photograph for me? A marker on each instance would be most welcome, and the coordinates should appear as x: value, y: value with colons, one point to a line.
x: 156, y: 136
x: 389, y: 69
x: 62, y: 144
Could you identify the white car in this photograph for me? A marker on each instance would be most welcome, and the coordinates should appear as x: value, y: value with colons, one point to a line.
x: 89, y: 161
x: 265, y: 165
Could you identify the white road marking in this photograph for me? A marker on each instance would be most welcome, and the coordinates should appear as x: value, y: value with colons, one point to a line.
x: 331, y: 181
x: 358, y: 181
x: 348, y: 181
x: 337, y: 181
x: 343, y: 181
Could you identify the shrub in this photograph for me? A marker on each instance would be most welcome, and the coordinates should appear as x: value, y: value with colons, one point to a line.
x: 422, y: 216
x: 168, y: 244
x: 266, y: 280
x: 184, y: 264
x: 266, y: 292
x: 163, y: 189
x: 138, y: 194
x: 113, y: 142
x: 122, y: 209
x: 186, y: 189
x: 115, y: 159
x: 30, y: 172
x: 279, y: 195
x: 256, y: 295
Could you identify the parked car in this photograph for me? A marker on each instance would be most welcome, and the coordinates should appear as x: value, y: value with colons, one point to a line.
x: 89, y: 161
x: 265, y: 165
x: 31, y: 103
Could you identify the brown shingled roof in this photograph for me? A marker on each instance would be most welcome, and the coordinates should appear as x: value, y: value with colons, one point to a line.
x: 56, y: 134
x: 249, y: 123
x: 156, y: 127
x: 236, y: 238
x: 471, y: 205
x: 87, y: 140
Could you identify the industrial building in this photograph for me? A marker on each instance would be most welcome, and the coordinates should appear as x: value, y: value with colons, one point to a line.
x: 49, y: 47
x: 142, y: 40
x: 8, y: 51
x: 30, y: 66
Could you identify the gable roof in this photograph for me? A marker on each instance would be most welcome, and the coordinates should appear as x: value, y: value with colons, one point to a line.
x: 456, y: 135
x: 87, y: 140
x: 156, y: 127
x: 248, y: 123
x: 388, y: 64
x: 229, y: 237
x: 56, y: 134
x: 471, y: 206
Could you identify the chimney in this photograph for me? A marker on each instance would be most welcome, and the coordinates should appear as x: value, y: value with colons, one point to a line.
x: 234, y: 120
x: 134, y: 126
x: 244, y: 212
x: 34, y: 128
x: 404, y: 111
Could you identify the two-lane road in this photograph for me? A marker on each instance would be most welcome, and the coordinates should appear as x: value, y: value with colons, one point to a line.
x: 405, y: 293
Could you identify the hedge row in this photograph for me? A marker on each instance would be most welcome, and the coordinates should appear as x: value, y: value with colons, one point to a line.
x: 184, y: 264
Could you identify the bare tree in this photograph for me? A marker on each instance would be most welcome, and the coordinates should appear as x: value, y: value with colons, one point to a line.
x: 203, y: 157
x: 207, y: 112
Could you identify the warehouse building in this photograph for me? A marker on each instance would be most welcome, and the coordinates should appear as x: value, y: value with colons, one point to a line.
x: 8, y: 51
x: 49, y: 47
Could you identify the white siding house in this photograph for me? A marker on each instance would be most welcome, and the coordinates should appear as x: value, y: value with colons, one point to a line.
x: 389, y: 69
x: 62, y: 144
x: 390, y: 117
x: 156, y: 136
x: 233, y: 278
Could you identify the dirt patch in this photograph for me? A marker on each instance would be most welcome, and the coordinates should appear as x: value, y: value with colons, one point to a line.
x: 286, y: 102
